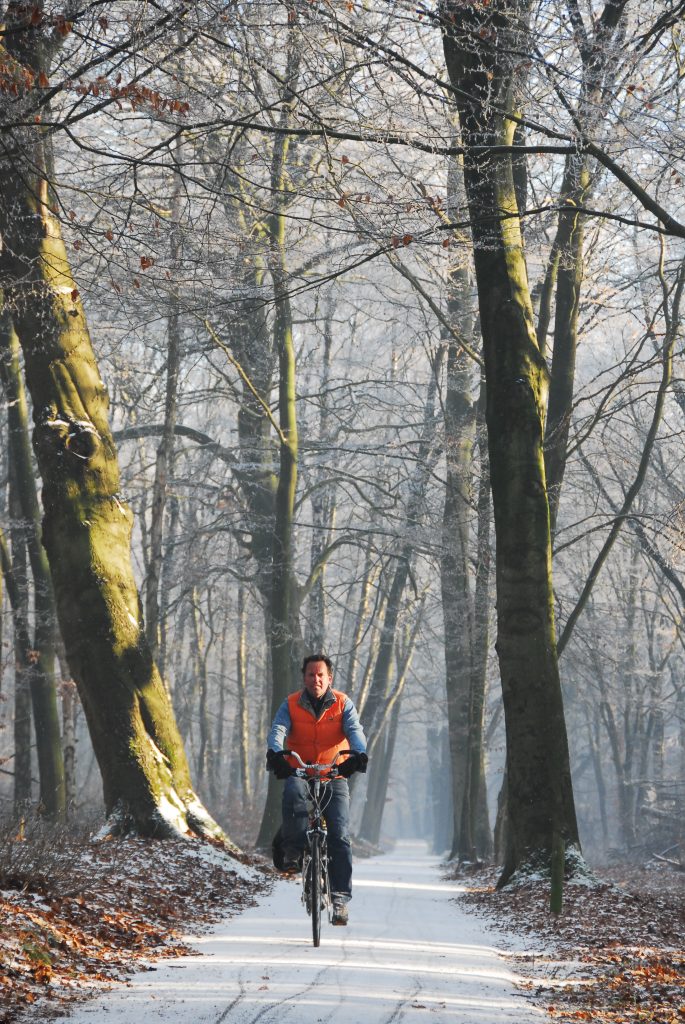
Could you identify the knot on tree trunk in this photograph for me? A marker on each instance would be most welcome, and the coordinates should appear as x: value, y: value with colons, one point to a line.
x: 62, y: 435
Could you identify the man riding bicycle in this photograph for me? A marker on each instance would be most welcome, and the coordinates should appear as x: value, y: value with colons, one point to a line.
x: 317, y: 722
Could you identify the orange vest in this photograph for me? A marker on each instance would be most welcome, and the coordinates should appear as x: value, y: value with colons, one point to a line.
x: 317, y: 741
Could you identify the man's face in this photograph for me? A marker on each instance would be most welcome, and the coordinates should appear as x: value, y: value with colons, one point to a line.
x: 317, y: 678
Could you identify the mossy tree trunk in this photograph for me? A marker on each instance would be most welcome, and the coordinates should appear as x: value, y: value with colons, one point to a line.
x: 86, y: 526
x: 482, y: 48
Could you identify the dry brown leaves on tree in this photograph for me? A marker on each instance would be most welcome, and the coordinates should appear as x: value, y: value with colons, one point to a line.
x: 75, y: 912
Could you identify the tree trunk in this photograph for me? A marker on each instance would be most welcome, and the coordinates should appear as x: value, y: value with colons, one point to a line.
x: 16, y: 585
x: 479, y: 824
x: 42, y: 674
x: 165, y: 452
x: 569, y: 243
x: 369, y: 576
x: 486, y: 77
x: 243, y: 719
x: 282, y: 572
x: 69, y: 710
x: 377, y: 791
x: 167, y: 583
x: 86, y: 527
x: 457, y: 599
x: 599, y: 69
x: 323, y: 507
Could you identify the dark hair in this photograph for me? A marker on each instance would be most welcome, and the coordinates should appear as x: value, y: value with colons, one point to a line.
x: 318, y: 657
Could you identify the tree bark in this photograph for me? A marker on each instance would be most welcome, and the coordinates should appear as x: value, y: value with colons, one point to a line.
x: 243, y: 719
x: 482, y: 47
x: 566, y: 264
x: 165, y: 452
x: 475, y: 824
x: 42, y: 674
x: 372, y: 818
x: 14, y: 574
x: 323, y: 508
x: 282, y: 609
x: 459, y: 412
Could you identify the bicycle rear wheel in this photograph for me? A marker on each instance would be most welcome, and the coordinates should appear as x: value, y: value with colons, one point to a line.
x: 315, y: 889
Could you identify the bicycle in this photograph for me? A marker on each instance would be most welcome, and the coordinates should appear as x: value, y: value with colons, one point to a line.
x: 316, y: 889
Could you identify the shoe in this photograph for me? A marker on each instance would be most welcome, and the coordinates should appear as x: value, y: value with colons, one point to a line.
x: 340, y: 915
x: 291, y: 865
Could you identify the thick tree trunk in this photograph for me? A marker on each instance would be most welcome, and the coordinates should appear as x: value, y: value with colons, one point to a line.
x: 86, y: 527
x: 485, y: 75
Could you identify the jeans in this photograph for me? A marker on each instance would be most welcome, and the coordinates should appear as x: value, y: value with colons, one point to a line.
x: 336, y: 811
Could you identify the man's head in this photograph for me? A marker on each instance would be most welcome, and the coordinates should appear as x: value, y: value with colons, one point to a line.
x: 317, y: 674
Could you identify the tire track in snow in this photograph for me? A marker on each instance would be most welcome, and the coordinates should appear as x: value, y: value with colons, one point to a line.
x: 238, y: 999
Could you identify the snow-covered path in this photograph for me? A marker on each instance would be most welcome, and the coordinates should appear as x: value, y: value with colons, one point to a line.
x: 409, y: 954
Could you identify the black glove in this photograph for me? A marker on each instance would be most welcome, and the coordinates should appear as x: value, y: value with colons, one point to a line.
x: 354, y: 763
x: 276, y: 763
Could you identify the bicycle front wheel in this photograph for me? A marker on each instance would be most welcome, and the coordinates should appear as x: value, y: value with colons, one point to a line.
x: 315, y: 889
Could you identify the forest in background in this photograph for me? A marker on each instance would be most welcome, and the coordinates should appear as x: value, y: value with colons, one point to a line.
x: 269, y: 235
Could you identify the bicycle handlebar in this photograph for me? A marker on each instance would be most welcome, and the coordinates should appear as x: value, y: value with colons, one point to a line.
x: 318, y: 768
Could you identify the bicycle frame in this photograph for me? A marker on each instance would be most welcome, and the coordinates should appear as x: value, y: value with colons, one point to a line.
x: 316, y: 892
